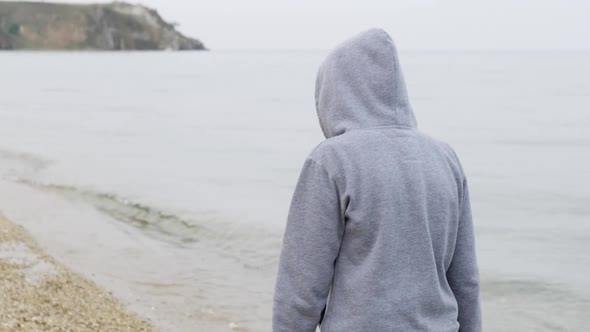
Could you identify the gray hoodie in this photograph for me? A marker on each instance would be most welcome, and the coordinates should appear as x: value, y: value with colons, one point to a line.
x: 379, y: 235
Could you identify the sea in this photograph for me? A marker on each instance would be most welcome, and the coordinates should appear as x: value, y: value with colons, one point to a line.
x: 166, y: 177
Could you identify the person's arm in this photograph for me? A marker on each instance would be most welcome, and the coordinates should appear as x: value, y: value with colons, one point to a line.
x: 311, y: 244
x: 463, y: 273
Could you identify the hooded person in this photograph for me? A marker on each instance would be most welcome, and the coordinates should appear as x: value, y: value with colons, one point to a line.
x: 379, y: 235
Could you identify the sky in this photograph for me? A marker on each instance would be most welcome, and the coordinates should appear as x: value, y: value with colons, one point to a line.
x: 414, y: 24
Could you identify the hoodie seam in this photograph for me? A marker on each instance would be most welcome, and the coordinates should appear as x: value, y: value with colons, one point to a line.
x: 328, y: 305
x: 335, y: 182
x: 461, y: 171
x: 328, y: 173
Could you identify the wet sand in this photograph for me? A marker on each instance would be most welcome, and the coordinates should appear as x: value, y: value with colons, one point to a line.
x: 40, y: 294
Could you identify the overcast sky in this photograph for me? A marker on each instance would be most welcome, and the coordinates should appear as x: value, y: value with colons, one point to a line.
x: 414, y: 24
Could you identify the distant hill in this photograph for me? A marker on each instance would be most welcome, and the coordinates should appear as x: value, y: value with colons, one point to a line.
x: 109, y: 26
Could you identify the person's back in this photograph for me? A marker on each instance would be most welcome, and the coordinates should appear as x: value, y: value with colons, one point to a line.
x: 379, y: 235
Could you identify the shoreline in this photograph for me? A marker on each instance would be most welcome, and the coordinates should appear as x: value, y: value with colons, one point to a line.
x: 40, y: 293
x: 152, y: 278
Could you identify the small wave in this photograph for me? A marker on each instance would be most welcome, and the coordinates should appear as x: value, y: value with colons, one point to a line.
x: 251, y: 246
x: 146, y: 218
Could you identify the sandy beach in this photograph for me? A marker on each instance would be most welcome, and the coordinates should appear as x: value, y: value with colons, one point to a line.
x: 40, y: 294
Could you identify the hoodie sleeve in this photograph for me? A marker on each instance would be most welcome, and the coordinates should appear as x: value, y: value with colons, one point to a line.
x: 310, y: 246
x: 463, y: 274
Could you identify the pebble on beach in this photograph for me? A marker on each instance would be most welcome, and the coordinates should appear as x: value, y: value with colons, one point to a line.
x: 40, y: 294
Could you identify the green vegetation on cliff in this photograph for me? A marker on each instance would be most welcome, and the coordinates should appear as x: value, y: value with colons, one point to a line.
x: 110, y: 26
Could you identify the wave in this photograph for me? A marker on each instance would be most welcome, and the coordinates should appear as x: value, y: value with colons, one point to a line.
x: 253, y: 247
x: 144, y: 217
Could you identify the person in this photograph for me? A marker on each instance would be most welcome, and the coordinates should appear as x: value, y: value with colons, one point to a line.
x: 379, y: 235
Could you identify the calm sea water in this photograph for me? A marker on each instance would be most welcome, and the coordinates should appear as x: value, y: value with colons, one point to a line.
x: 166, y: 177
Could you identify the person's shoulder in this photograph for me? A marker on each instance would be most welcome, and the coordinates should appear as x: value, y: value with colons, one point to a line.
x: 443, y: 146
x: 321, y: 152
x: 333, y: 151
x: 447, y: 150
x: 331, y: 146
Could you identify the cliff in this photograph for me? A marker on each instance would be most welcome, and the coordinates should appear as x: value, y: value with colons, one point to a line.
x: 109, y: 26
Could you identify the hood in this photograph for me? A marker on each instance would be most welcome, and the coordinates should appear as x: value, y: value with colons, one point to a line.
x: 360, y: 84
